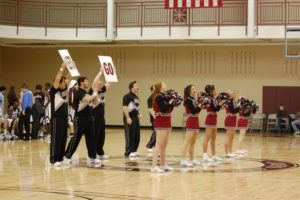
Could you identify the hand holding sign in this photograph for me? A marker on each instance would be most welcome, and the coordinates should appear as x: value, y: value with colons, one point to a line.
x: 69, y: 62
x: 108, y: 68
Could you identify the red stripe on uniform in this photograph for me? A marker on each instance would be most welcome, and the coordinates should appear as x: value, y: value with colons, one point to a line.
x: 210, y: 3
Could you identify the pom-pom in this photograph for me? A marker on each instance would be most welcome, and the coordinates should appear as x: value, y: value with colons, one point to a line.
x: 255, y: 107
x: 172, y: 94
x: 223, y: 96
x: 203, y: 99
x: 247, y: 106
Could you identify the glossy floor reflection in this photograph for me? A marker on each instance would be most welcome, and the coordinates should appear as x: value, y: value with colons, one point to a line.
x: 268, y: 171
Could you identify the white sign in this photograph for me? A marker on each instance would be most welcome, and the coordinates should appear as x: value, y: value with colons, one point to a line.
x: 69, y: 62
x: 108, y: 68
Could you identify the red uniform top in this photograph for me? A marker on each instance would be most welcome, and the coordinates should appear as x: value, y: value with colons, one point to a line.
x: 231, y: 110
x: 211, y: 118
x: 192, y: 110
x: 162, y: 109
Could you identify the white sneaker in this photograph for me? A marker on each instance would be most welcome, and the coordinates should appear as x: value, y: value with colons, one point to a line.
x: 167, y: 168
x: 102, y: 157
x: 57, y: 164
x: 185, y: 163
x: 207, y: 159
x: 217, y: 158
x: 297, y: 133
x: 241, y: 151
x: 230, y: 155
x: 97, y: 161
x: 156, y: 169
x: 195, y: 162
x: 67, y: 161
x: 132, y: 155
x: 137, y: 154
x: 93, y: 161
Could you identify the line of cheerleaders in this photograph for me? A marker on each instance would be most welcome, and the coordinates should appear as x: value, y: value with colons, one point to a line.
x: 165, y: 100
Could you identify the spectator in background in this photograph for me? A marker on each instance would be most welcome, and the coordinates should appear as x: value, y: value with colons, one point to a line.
x: 12, y: 97
x: 282, y: 116
x: 37, y: 110
x: 296, y: 124
x: 26, y: 101
x: 3, y: 122
x: 2, y: 89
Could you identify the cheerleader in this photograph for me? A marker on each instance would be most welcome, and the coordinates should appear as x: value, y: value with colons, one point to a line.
x: 211, y: 125
x: 162, y: 126
x: 242, y: 126
x: 230, y: 123
x: 192, y: 126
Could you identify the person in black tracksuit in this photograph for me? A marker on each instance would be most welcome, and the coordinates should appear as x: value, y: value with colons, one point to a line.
x: 98, y: 113
x: 131, y: 120
x: 152, y: 140
x: 59, y: 119
x: 84, y: 122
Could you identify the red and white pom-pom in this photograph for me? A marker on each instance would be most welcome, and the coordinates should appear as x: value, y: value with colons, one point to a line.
x: 203, y: 99
x: 244, y: 105
x: 255, y: 107
x: 223, y: 96
x: 172, y: 94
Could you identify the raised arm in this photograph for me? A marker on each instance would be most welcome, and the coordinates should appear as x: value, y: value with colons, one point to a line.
x: 59, y: 75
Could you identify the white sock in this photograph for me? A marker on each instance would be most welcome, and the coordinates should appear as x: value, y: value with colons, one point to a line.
x: 5, y: 131
x: 13, y: 132
x: 205, y: 155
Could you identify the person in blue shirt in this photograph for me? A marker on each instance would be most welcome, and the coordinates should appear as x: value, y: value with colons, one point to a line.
x: 26, y: 101
x: 2, y: 88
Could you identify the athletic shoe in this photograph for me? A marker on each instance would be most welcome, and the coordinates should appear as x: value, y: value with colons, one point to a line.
x: 132, y: 155
x: 230, y: 155
x: 185, y: 163
x: 217, y: 158
x: 195, y: 162
x: 57, y: 164
x: 102, y: 157
x: 297, y: 133
x: 241, y: 151
x: 207, y: 159
x: 137, y: 154
x: 167, y: 168
x: 156, y: 169
x: 67, y: 161
x: 93, y: 161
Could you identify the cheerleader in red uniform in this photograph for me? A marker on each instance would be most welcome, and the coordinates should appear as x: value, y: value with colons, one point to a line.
x: 211, y: 125
x: 230, y: 123
x: 192, y: 126
x: 242, y: 126
x: 162, y: 126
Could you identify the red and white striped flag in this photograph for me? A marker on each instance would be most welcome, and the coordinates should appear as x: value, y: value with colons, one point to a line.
x: 193, y: 3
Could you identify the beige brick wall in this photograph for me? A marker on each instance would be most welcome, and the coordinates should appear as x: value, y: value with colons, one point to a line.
x: 245, y: 69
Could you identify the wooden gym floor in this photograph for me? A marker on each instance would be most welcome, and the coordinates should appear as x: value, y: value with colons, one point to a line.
x: 268, y: 171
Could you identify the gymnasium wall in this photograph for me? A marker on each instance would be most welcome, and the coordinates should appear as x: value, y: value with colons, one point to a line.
x: 1, y: 60
x: 245, y: 69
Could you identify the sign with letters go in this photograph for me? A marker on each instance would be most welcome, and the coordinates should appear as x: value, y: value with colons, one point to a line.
x: 108, y: 68
x: 69, y: 62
